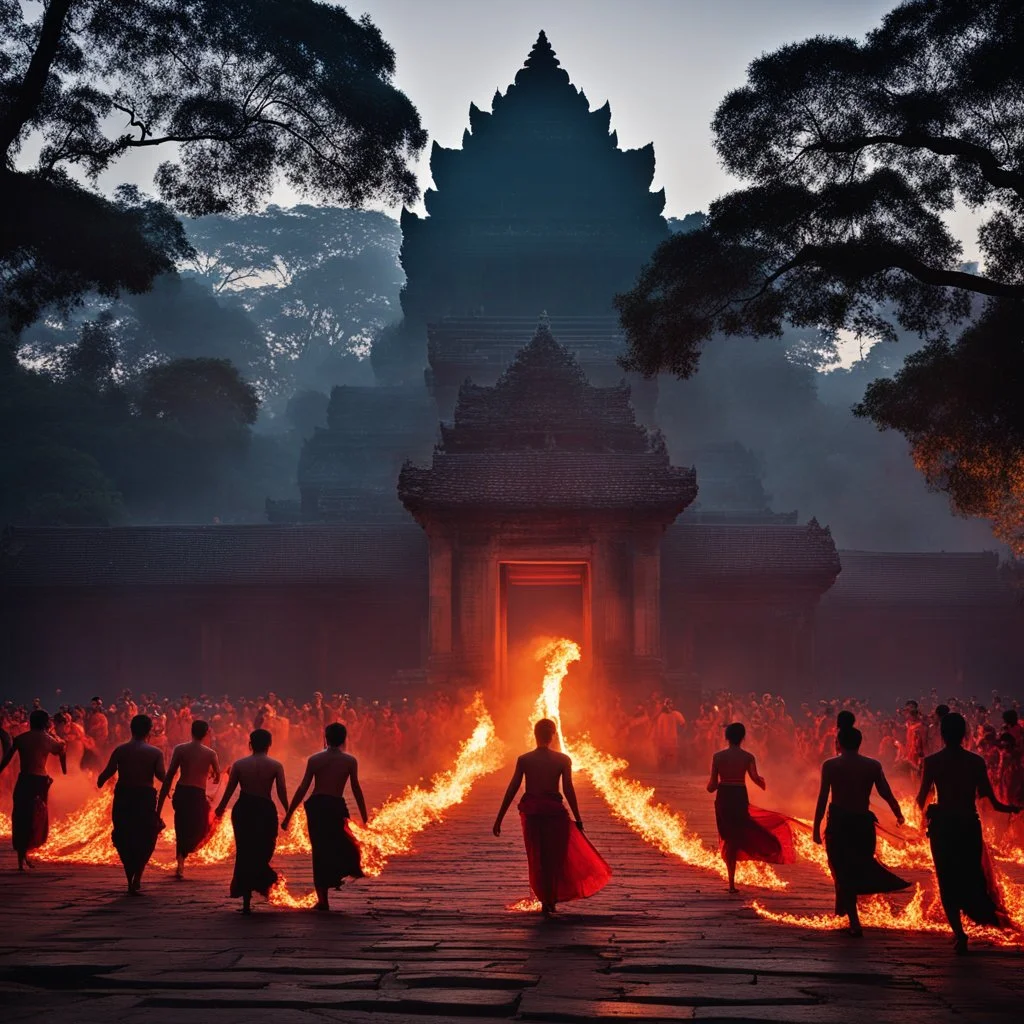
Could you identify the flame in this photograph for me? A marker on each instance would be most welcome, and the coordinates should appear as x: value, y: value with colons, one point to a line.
x: 5, y: 826
x: 631, y: 801
x: 392, y: 828
x: 279, y: 896
x: 528, y: 904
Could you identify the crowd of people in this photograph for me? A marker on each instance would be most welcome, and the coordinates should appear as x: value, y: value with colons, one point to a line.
x: 657, y: 734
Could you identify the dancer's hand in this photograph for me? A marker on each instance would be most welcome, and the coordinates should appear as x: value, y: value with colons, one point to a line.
x: 900, y: 820
x: 497, y: 828
x: 285, y: 822
x: 219, y: 812
x: 579, y: 824
x: 816, y: 836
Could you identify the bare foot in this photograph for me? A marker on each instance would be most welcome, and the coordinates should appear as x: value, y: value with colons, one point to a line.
x: 733, y: 890
x: 960, y: 945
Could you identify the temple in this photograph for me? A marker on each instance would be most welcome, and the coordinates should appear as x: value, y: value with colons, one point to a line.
x: 502, y: 482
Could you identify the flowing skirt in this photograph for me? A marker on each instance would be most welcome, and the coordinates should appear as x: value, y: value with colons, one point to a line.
x: 963, y: 868
x: 562, y: 862
x: 850, y: 844
x: 30, y: 819
x: 335, y: 850
x: 193, y: 818
x: 754, y: 834
x: 136, y: 825
x: 254, y: 820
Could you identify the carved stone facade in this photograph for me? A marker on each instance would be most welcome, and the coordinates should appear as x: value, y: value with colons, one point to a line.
x: 545, y: 472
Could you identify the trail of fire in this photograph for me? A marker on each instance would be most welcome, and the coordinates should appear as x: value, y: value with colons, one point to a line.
x: 392, y: 828
x: 631, y: 801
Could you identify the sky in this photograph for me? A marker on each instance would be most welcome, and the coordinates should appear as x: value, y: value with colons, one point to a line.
x: 664, y: 65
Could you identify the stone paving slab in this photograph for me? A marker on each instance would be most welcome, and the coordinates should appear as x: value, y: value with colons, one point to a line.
x: 431, y: 940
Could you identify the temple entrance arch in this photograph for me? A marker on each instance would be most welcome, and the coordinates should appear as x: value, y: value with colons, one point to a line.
x: 544, y: 469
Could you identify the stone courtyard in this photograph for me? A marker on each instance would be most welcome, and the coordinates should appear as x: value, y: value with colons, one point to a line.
x: 431, y: 940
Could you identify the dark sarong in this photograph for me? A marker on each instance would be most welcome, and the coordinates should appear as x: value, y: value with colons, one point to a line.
x: 963, y: 868
x: 562, y: 862
x: 193, y: 818
x: 335, y: 850
x: 754, y: 833
x: 850, y: 844
x: 30, y: 820
x: 254, y: 820
x: 136, y: 825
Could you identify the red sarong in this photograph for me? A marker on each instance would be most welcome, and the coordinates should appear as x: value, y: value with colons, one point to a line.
x: 754, y: 833
x: 563, y: 863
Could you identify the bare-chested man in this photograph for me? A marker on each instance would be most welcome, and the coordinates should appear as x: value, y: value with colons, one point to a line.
x: 30, y: 819
x: 254, y: 818
x: 73, y: 736
x: 850, y: 832
x: 962, y: 866
x: 137, y: 765
x: 335, y: 852
x: 193, y: 816
x: 555, y: 876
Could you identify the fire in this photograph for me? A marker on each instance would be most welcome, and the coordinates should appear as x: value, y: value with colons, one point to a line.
x: 631, y: 801
x: 527, y: 905
x: 5, y: 826
x: 279, y: 896
x: 393, y: 826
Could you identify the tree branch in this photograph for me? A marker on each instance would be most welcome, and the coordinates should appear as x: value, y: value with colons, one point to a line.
x: 30, y: 92
x: 943, y: 145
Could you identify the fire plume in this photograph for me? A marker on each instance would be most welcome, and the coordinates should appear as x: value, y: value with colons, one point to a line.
x: 631, y: 801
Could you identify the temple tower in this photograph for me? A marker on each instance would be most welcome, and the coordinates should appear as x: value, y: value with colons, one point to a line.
x: 539, y: 210
x: 545, y: 481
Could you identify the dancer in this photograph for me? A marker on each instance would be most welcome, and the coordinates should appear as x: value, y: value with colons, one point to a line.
x: 136, y: 825
x: 962, y: 865
x: 746, y: 833
x: 562, y: 862
x: 254, y: 818
x: 193, y: 816
x: 30, y: 818
x: 335, y: 851
x: 850, y: 833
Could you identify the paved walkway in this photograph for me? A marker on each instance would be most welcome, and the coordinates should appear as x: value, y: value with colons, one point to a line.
x: 431, y: 939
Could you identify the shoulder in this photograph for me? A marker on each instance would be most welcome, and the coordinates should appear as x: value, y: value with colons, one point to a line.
x: 566, y: 760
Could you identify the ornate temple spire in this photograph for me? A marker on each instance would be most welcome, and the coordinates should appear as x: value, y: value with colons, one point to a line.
x: 541, y: 63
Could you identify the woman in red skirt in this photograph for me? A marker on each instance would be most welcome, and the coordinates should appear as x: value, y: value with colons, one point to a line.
x: 747, y: 833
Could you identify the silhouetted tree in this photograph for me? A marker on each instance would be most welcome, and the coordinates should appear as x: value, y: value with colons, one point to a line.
x: 241, y: 95
x: 854, y: 152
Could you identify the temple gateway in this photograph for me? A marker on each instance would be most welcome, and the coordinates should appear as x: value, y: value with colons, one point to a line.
x: 503, y: 482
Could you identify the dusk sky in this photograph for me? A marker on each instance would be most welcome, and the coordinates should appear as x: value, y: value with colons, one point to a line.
x: 664, y: 65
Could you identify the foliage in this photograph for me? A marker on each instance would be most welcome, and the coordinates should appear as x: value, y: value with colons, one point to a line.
x: 854, y: 153
x: 959, y: 404
x: 240, y: 96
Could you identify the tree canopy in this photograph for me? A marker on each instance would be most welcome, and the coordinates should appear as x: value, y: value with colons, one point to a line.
x: 241, y: 96
x: 854, y: 153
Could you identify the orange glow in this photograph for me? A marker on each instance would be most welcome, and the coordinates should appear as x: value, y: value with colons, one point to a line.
x: 279, y: 896
x: 5, y: 826
x: 631, y: 801
x: 527, y: 905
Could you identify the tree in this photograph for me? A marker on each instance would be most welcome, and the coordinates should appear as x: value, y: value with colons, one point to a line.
x: 854, y: 153
x: 198, y: 395
x: 240, y: 95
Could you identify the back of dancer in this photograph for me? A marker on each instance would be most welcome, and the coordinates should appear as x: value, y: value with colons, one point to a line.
x: 136, y: 826
x: 746, y: 833
x: 254, y: 818
x: 962, y: 866
x: 30, y: 821
x: 850, y: 833
x: 335, y: 851
x: 563, y: 865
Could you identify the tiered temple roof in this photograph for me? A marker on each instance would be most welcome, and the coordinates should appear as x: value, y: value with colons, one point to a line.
x: 348, y: 470
x: 545, y: 438
x: 539, y: 209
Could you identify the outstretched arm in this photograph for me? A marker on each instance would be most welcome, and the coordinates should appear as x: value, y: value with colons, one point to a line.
x: 885, y: 792
x: 758, y: 780
x: 172, y: 770
x: 297, y: 796
x: 108, y: 772
x: 510, y: 795
x: 819, y: 810
x: 215, y: 769
x: 713, y: 781
x: 8, y: 756
x: 570, y: 793
x: 985, y: 790
x: 282, y: 790
x: 357, y: 791
x: 926, y: 785
x: 229, y: 791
